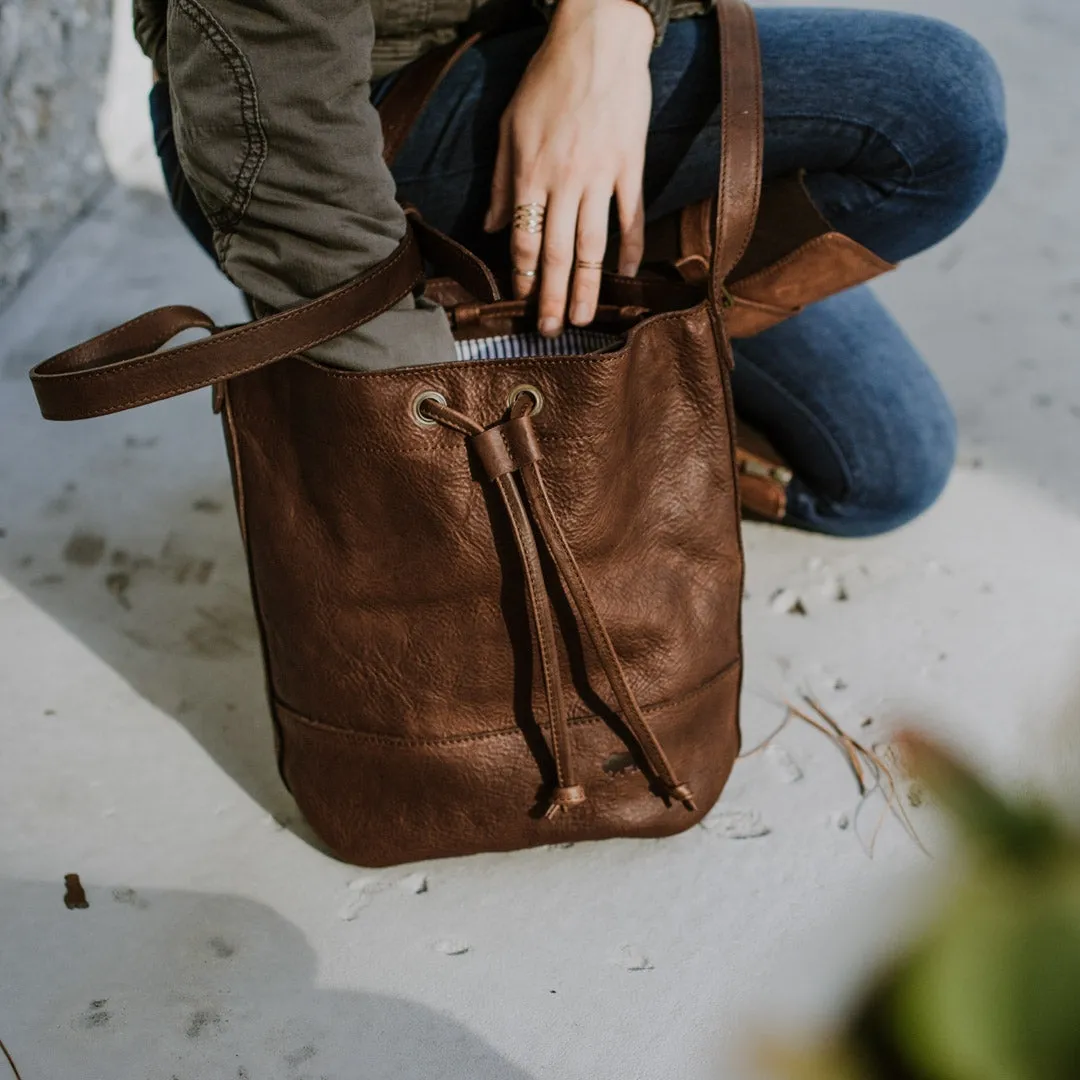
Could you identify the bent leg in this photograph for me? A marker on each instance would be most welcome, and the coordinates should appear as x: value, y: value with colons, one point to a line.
x: 845, y: 397
x: 897, y: 119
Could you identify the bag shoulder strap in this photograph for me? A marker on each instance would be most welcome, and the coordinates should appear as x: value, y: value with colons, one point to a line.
x: 413, y: 89
x: 742, y: 139
x: 122, y: 368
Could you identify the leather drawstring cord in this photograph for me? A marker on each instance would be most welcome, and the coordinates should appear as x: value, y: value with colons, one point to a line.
x: 509, y: 448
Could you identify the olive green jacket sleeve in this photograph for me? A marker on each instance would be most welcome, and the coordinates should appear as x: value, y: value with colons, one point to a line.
x: 283, y: 150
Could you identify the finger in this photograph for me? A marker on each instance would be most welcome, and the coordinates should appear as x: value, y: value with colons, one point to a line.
x: 526, y: 243
x: 631, y: 204
x: 502, y: 184
x: 560, y: 234
x: 592, y: 227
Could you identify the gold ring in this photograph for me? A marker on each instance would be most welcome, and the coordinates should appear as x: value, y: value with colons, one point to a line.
x: 587, y: 264
x: 529, y: 217
x: 524, y: 273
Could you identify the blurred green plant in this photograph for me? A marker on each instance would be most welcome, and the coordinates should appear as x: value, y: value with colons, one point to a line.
x: 991, y: 991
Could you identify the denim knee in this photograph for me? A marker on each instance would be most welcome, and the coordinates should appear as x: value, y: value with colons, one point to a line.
x: 883, y: 499
x: 929, y: 458
x: 963, y: 106
x: 891, y: 483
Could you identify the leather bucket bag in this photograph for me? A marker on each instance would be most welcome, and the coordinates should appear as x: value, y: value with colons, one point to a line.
x: 499, y: 600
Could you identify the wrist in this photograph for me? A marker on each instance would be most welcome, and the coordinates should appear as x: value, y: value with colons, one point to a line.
x: 628, y: 22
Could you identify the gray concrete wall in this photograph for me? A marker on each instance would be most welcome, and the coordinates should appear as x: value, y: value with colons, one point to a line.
x: 54, y: 56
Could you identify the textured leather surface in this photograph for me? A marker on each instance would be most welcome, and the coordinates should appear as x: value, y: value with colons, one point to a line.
x: 764, y: 476
x: 395, y: 616
x: 819, y: 268
x: 429, y: 660
x: 375, y: 801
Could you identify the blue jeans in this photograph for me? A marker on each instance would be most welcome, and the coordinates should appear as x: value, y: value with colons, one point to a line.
x: 899, y: 122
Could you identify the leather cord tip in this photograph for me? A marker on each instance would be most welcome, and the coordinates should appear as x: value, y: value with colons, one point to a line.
x: 565, y: 798
x: 682, y: 793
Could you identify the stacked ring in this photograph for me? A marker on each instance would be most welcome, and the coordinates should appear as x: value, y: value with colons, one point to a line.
x: 588, y: 264
x: 529, y: 217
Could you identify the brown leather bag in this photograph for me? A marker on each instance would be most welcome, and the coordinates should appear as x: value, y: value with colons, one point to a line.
x: 499, y: 600
x: 795, y: 257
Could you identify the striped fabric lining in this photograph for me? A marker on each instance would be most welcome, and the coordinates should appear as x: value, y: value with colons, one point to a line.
x: 511, y: 346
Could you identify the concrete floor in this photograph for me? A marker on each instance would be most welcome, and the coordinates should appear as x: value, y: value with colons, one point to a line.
x: 220, y: 942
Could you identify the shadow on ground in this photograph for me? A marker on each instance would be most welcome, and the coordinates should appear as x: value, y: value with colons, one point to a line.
x: 190, y: 986
x: 122, y: 528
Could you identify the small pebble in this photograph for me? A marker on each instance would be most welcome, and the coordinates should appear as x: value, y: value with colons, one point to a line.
x: 452, y: 947
x: 74, y: 893
x: 633, y: 959
x: 834, y: 589
x: 353, y: 906
x: 736, y: 824
x: 841, y: 821
x: 786, y: 602
x: 416, y: 884
x: 783, y: 764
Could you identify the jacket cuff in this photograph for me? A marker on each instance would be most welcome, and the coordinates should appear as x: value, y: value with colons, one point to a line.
x: 660, y: 10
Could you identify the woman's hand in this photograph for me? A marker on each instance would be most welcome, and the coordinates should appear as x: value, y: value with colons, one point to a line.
x: 572, y: 138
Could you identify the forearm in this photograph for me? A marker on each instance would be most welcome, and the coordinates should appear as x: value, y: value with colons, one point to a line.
x: 282, y: 147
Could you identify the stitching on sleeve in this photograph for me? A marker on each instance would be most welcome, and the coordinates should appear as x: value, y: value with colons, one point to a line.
x: 227, y: 218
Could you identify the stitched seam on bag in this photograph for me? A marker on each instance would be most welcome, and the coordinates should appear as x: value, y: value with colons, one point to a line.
x: 500, y: 733
x: 255, y: 142
x: 176, y: 391
x: 115, y: 332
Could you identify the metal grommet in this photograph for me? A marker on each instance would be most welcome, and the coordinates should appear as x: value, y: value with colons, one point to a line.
x: 532, y: 391
x: 425, y: 395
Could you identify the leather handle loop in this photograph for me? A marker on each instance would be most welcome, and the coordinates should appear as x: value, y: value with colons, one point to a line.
x: 741, y: 140
x: 121, y: 369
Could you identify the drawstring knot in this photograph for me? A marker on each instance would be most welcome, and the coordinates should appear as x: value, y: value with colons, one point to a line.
x: 565, y: 798
x: 510, y: 454
x: 682, y: 793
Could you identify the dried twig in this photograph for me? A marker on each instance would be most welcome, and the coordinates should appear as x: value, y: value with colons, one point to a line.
x: 10, y: 1060
x: 872, y: 772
